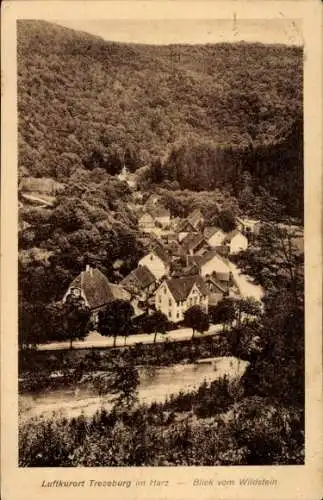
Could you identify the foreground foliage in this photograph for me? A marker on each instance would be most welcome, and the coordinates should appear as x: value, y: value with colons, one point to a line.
x: 253, y: 431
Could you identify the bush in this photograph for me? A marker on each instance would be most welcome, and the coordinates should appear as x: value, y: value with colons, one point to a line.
x: 253, y: 433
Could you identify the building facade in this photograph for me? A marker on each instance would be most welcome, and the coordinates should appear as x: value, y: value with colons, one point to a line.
x: 214, y: 236
x: 236, y: 241
x: 174, y: 296
x: 96, y: 291
x: 156, y: 264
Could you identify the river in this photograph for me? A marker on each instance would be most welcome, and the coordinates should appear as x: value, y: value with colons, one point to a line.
x: 156, y: 384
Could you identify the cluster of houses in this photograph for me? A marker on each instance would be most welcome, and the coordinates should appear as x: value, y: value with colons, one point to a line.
x: 188, y: 266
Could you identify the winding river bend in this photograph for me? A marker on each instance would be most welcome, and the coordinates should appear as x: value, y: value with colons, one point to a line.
x: 156, y: 384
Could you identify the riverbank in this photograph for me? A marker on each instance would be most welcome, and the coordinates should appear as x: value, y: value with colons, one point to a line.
x: 155, y: 386
x: 46, y: 370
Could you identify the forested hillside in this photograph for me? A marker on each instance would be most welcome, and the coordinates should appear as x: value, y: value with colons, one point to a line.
x: 85, y: 102
x: 226, y: 118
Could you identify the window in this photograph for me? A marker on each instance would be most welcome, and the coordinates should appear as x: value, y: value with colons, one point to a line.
x: 169, y: 314
x: 159, y: 298
x: 170, y: 302
x: 165, y: 290
x: 177, y: 315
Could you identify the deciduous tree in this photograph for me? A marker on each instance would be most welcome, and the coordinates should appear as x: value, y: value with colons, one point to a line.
x: 196, y: 319
x: 116, y: 319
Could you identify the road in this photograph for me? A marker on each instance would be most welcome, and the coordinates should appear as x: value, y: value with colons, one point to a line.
x: 94, y: 339
x: 245, y: 284
x: 41, y: 201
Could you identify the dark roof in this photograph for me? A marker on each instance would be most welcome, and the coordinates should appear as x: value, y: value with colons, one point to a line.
x: 195, y: 217
x: 161, y: 253
x: 144, y: 276
x: 181, y: 287
x: 223, y: 286
x: 193, y: 260
x: 192, y: 241
x: 184, y: 225
x: 200, y: 260
x: 210, y: 231
x: 97, y: 289
x: 139, y: 278
x: 223, y: 250
x: 190, y: 270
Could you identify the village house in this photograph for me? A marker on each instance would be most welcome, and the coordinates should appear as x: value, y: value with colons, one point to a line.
x: 176, y: 251
x: 174, y: 296
x: 157, y: 261
x: 128, y: 177
x: 183, y: 228
x: 248, y: 226
x: 196, y: 219
x: 211, y: 263
x: 217, y: 289
x: 236, y: 241
x: 140, y: 283
x: 95, y: 289
x: 194, y: 243
x: 146, y: 223
x: 161, y: 216
x: 192, y: 224
x: 214, y: 236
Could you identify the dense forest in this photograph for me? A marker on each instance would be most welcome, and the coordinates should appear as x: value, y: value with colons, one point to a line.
x: 209, y: 111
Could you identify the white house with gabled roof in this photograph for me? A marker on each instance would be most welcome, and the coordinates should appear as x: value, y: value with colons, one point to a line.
x: 157, y: 261
x: 236, y: 241
x: 214, y: 236
x: 174, y: 296
x: 211, y: 263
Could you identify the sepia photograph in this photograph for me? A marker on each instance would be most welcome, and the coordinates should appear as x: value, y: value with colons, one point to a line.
x: 161, y: 242
x: 161, y: 250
